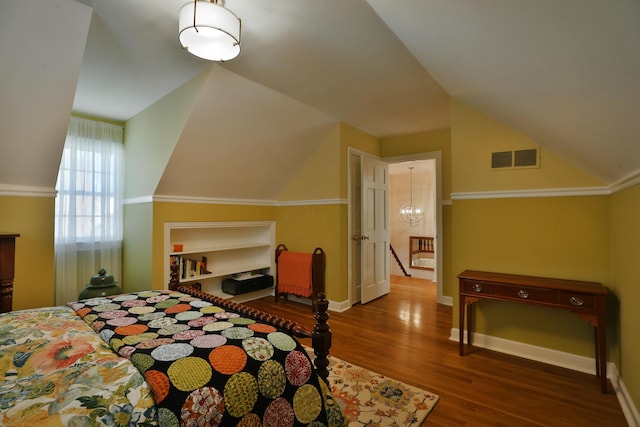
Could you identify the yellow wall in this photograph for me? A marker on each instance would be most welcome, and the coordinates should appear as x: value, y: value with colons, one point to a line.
x: 33, y: 219
x: 625, y: 235
x: 566, y: 237
x: 303, y: 228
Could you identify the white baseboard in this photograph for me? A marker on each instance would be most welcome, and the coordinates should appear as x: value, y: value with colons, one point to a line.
x: 558, y: 358
x: 445, y: 300
x: 629, y: 408
x: 339, y: 306
x: 333, y: 305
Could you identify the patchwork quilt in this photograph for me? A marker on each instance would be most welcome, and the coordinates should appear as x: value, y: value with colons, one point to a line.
x: 164, y: 358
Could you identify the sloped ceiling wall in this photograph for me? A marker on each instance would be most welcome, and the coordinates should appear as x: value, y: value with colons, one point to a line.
x: 33, y: 127
x: 564, y: 73
x: 241, y: 141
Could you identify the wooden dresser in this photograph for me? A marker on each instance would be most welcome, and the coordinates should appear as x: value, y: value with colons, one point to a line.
x: 7, y: 261
x: 585, y: 299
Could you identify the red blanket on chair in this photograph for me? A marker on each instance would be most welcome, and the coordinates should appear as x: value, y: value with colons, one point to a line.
x: 294, y: 273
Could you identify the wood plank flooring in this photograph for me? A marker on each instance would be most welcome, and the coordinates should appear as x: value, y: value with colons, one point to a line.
x: 405, y: 335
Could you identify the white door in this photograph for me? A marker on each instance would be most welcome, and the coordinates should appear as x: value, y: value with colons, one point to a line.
x: 374, y: 229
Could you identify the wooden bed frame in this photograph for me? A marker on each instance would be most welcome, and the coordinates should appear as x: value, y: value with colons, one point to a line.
x: 320, y: 334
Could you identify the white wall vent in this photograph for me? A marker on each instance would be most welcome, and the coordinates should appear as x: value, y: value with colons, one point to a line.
x: 516, y: 159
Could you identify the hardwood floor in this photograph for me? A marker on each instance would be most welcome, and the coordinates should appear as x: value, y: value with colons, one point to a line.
x: 405, y: 335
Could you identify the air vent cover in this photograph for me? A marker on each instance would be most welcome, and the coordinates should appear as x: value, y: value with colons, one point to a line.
x: 501, y: 159
x: 515, y: 159
x: 525, y: 158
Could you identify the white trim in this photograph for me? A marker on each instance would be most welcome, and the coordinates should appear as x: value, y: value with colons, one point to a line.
x: 26, y: 191
x: 627, y: 405
x: 550, y: 192
x: 313, y: 202
x: 224, y: 201
x: 137, y: 200
x: 626, y: 182
x: 212, y: 200
x: 528, y: 351
x: 445, y: 300
x: 338, y: 306
x: 561, y: 359
x: 7, y: 190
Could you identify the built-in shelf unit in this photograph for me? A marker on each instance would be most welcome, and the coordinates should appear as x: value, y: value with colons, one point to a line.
x: 229, y: 248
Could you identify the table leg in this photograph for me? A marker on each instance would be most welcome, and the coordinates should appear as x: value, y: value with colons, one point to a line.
x: 461, y: 309
x: 469, y: 325
x: 601, y: 355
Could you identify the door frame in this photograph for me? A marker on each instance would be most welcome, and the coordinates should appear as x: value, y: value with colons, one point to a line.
x: 435, y: 155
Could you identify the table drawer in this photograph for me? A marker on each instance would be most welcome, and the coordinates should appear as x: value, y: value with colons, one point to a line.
x: 577, y: 300
x: 526, y: 294
x: 474, y: 287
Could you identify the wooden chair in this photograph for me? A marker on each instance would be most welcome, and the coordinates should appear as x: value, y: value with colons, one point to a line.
x: 315, y: 284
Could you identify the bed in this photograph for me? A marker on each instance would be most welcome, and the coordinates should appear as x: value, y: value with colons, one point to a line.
x: 163, y: 357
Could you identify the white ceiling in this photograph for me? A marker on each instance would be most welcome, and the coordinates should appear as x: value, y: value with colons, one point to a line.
x: 565, y: 73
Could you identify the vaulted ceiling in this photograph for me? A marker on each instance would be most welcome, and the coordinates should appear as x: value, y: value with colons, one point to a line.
x: 565, y: 73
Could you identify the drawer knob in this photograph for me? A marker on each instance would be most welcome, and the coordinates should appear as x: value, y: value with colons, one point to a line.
x: 477, y: 287
x: 523, y: 294
x: 576, y: 301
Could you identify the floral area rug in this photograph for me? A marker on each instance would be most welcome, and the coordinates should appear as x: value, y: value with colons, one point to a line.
x: 370, y: 399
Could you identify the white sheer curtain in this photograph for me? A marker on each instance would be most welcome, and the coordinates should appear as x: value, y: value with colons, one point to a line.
x: 88, y: 228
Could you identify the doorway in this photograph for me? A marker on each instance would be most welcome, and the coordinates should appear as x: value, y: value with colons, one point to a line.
x: 412, y: 191
x: 354, y: 213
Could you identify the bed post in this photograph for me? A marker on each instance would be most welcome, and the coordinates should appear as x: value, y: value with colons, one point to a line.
x: 174, y: 281
x: 321, y: 336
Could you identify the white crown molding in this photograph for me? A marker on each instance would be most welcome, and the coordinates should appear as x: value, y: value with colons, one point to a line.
x: 26, y: 191
x: 137, y: 200
x: 212, y: 200
x: 313, y: 202
x: 224, y: 201
x: 626, y: 182
x: 550, y: 192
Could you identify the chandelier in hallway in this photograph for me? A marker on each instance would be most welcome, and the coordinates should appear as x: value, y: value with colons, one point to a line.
x: 409, y: 213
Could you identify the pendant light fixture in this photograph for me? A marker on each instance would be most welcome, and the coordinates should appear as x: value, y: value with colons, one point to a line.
x: 208, y: 30
x: 409, y: 213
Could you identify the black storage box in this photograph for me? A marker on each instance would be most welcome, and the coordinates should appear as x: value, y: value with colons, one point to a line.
x: 241, y: 286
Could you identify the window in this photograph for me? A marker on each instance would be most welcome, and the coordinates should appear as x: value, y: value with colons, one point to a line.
x: 88, y: 229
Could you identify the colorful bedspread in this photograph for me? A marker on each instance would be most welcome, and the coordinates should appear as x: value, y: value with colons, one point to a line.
x: 209, y: 366
x: 55, y: 371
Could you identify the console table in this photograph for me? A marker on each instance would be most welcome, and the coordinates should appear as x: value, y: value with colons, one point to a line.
x: 7, y: 260
x: 585, y: 299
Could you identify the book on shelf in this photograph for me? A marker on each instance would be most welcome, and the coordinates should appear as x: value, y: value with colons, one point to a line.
x: 190, y: 267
